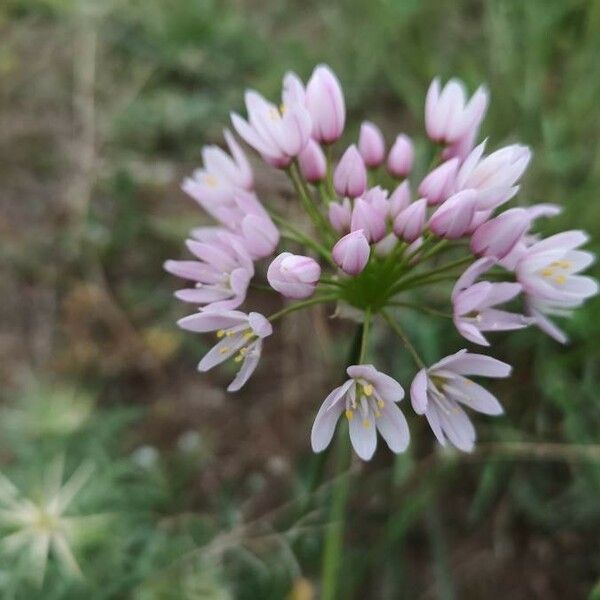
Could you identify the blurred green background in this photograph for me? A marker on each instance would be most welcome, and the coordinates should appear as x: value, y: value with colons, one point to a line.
x: 180, y: 491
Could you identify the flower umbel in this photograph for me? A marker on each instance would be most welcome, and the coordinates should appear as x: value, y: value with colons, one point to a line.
x: 454, y: 249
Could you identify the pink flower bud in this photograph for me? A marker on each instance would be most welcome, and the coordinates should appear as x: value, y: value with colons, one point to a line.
x: 453, y: 218
x: 438, y: 184
x: 384, y: 247
x: 340, y: 214
x: 371, y: 144
x: 401, y: 157
x: 409, y: 224
x: 351, y: 253
x: 399, y: 199
x: 312, y: 162
x: 368, y: 219
x: 325, y: 103
x: 293, y: 275
x: 350, y: 176
x: 377, y: 198
x: 260, y: 236
x: 498, y: 236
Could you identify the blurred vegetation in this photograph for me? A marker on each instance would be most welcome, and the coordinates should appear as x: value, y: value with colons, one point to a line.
x: 103, y: 108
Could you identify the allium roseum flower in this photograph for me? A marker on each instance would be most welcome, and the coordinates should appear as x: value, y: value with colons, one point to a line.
x: 474, y: 303
x: 549, y: 273
x: 239, y: 336
x: 456, y: 249
x: 369, y: 401
x: 279, y: 134
x: 439, y: 391
x: 221, y: 274
x: 448, y: 114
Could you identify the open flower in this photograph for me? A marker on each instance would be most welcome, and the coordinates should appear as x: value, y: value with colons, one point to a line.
x: 474, y: 303
x: 279, y: 134
x: 221, y: 274
x: 549, y: 274
x: 240, y: 334
x: 448, y: 115
x: 494, y: 176
x: 369, y: 400
x: 439, y: 391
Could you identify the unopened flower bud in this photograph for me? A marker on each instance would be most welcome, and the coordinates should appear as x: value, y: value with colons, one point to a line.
x: 409, y: 224
x: 325, y: 103
x: 293, y: 275
x: 371, y: 144
x: 401, y: 157
x: 312, y: 162
x: 438, y: 184
x: 498, y: 236
x: 350, y: 176
x: 351, y: 253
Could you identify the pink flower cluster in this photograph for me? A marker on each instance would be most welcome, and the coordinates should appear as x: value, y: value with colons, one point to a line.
x: 373, y: 246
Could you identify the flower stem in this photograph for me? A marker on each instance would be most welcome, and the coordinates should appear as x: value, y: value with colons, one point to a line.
x: 423, y: 309
x: 302, y: 238
x: 300, y: 305
x: 365, y: 337
x: 334, y: 539
x: 307, y: 200
x: 405, y: 340
x: 411, y: 279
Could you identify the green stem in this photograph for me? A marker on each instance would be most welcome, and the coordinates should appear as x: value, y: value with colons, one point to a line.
x: 307, y: 200
x: 365, y: 337
x: 302, y: 238
x: 423, y: 309
x: 409, y: 280
x: 331, y: 281
x: 329, y: 175
x: 299, y: 305
x: 334, y: 538
x: 421, y: 283
x: 405, y: 340
x: 441, y: 244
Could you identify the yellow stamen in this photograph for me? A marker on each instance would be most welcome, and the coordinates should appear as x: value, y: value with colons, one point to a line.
x: 366, y: 423
x: 349, y: 414
x: 248, y: 335
x: 220, y: 333
x: 562, y: 264
x: 547, y: 272
x: 282, y: 108
x: 377, y: 414
x: 368, y: 389
x: 380, y: 403
x: 224, y: 350
x: 239, y: 358
x: 560, y: 279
